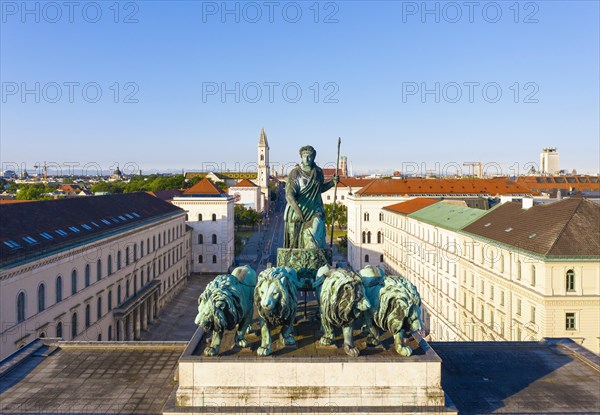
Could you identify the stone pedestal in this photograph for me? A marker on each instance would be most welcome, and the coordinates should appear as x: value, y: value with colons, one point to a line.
x: 306, y: 262
x: 307, y: 380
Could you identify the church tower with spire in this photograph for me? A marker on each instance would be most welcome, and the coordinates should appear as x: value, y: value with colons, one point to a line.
x: 263, y: 169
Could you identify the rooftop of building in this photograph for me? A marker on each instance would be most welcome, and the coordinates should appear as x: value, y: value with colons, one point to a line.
x: 29, y: 230
x: 166, y: 195
x: 411, y: 206
x: 353, y: 182
x: 549, y: 183
x: 244, y: 183
x: 448, y: 216
x: 234, y: 175
x: 204, y: 188
x: 550, y: 376
x: 567, y: 227
x: 450, y: 187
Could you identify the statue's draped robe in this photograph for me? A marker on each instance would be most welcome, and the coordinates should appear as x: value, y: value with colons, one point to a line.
x: 306, y: 188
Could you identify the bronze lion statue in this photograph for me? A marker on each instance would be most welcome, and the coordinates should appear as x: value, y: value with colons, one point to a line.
x: 225, y: 304
x: 276, y: 299
x: 341, y: 301
x: 395, y: 307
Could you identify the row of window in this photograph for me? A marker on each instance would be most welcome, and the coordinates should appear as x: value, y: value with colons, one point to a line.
x: 213, y: 239
x: 201, y: 259
x: 213, y: 217
x: 164, y: 262
x: 366, y: 237
x: 366, y: 216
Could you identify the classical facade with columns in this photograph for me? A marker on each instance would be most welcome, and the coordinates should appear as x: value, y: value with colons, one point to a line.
x: 96, y: 268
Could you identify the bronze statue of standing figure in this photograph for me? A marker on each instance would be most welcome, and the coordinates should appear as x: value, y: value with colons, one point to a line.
x: 304, y: 215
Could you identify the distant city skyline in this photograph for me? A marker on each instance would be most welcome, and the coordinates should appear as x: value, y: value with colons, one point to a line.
x: 182, y: 85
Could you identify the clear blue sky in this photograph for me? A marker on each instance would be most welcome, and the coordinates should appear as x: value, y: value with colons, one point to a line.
x: 372, y: 57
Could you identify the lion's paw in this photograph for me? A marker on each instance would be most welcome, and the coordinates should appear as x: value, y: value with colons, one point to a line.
x: 326, y: 341
x: 404, y: 351
x: 351, y: 351
x: 264, y: 351
x: 372, y: 341
x: 210, y: 351
x: 243, y: 343
x: 288, y: 341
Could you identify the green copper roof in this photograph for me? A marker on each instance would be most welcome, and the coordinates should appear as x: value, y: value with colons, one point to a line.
x: 448, y: 216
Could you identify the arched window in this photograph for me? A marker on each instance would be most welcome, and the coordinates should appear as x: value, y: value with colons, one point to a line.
x: 262, y: 157
x: 366, y: 216
x: 118, y: 260
x: 154, y: 243
x: 88, y: 317
x: 109, y: 333
x: 200, y: 239
x: 381, y: 258
x: 98, y: 270
x: 199, y: 217
x: 369, y: 237
x: 99, y: 308
x: 127, y: 289
x: 109, y: 265
x: 74, y: 281
x: 214, y: 217
x: 533, y: 275
x: 73, y: 326
x: 364, y: 237
x: 214, y: 238
x: 148, y: 244
x: 379, y: 237
x: 518, y: 270
x: 110, y: 300
x: 41, y: 297
x: 214, y: 259
x: 570, y: 280
x: 381, y: 216
x: 141, y: 249
x: 127, y: 255
x: 134, y: 284
x: 21, y: 307
x: 366, y: 258
x: 119, y: 294
x: 200, y: 259
x: 87, y: 275
x: 501, y: 264
x: 135, y: 252
x: 59, y: 292
x: 59, y: 329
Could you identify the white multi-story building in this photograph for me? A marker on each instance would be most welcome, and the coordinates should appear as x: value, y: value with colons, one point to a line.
x: 365, y: 215
x: 347, y: 186
x: 247, y: 194
x: 516, y: 272
x: 549, y: 161
x: 92, y: 268
x: 211, y: 217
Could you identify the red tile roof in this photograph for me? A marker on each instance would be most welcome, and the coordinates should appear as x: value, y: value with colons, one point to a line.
x: 331, y: 172
x: 353, y: 182
x: 245, y: 183
x: 401, y: 187
x: 204, y: 187
x: 410, y: 206
x: 547, y: 184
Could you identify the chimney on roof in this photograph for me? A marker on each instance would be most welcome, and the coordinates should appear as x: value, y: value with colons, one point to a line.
x: 505, y: 198
x: 527, y: 202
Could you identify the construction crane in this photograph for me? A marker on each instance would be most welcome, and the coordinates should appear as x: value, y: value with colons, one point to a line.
x: 37, y: 166
x: 472, y: 165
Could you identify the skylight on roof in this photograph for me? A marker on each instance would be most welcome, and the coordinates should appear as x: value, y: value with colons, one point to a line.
x: 123, y: 218
x: 508, y: 229
x: 115, y: 220
x: 74, y: 229
x: 12, y: 244
x: 105, y: 221
x: 129, y: 216
x: 532, y: 235
x: 135, y: 214
x: 87, y: 227
x: 30, y: 240
x: 46, y: 235
x: 487, y: 224
x: 61, y: 232
x: 95, y: 224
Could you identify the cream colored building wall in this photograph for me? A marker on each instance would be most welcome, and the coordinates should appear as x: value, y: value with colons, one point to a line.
x: 358, y: 208
x: 342, y: 195
x: 222, y: 227
x: 249, y: 196
x: 166, y: 262
x: 474, y: 291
